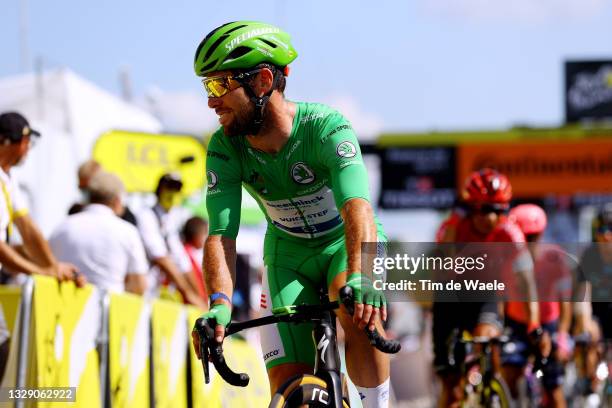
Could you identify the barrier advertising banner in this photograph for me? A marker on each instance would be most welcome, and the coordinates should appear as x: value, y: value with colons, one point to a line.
x: 537, y: 169
x: 140, y: 159
x: 417, y: 177
x: 65, y: 324
x: 10, y: 299
x: 129, y: 324
x: 588, y: 90
x: 169, y: 328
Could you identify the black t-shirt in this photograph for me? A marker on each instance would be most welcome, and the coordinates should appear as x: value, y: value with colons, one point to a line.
x: 594, y: 269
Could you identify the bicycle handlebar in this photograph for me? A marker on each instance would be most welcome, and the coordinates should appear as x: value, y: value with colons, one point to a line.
x: 211, y: 350
x: 378, y: 341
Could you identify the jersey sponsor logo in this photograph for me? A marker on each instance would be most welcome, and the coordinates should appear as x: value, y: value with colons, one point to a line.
x: 313, y: 116
x: 302, y: 174
x: 307, y: 216
x: 315, y: 187
x: 295, y: 146
x: 259, y: 159
x: 217, y: 155
x: 336, y: 130
x: 273, y: 353
x: 349, y: 163
x: 346, y: 150
x: 212, y: 179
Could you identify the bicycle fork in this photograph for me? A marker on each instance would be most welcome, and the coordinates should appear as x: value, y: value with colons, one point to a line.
x: 327, y: 363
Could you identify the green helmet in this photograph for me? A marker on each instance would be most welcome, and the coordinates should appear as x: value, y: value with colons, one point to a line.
x: 243, y: 45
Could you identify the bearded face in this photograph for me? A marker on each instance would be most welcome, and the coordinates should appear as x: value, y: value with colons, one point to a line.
x: 241, y: 122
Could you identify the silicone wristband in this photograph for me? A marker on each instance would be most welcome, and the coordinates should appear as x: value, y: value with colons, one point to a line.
x: 219, y: 295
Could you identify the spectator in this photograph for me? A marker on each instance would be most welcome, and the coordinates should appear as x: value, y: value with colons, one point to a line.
x: 34, y: 256
x: 162, y: 243
x: 106, y: 248
x: 194, y: 235
x: 85, y: 173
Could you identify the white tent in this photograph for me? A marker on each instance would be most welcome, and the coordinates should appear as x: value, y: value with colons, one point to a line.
x: 71, y: 113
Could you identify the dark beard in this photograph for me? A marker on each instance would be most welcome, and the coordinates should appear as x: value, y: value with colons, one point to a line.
x: 243, y: 122
x: 243, y: 119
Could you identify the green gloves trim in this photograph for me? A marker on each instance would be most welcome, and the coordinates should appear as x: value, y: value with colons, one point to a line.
x: 364, y: 291
x: 221, y: 313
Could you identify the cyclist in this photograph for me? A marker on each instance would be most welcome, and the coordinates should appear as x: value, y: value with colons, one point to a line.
x: 553, y: 280
x: 302, y: 163
x: 485, y: 200
x: 594, y: 276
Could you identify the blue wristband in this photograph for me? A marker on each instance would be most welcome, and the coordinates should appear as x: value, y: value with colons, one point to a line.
x: 219, y: 295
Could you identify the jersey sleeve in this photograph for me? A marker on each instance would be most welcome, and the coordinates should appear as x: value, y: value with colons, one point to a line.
x: 224, y: 195
x: 447, y: 231
x: 341, y: 155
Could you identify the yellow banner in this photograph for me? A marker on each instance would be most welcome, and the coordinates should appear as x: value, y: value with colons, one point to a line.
x: 241, y: 357
x: 140, y: 159
x: 129, y: 318
x: 10, y: 298
x: 65, y: 324
x: 169, y: 327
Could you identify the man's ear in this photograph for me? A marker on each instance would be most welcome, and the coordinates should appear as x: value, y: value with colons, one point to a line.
x: 264, y: 81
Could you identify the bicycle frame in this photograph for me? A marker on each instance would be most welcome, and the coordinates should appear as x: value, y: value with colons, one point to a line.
x: 327, y: 361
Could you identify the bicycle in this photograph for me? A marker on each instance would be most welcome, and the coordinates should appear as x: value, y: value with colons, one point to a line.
x: 482, y: 387
x: 582, y: 393
x: 324, y: 388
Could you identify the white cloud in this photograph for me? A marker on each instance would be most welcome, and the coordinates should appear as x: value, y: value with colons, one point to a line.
x: 181, y: 112
x: 517, y: 10
x: 367, y: 125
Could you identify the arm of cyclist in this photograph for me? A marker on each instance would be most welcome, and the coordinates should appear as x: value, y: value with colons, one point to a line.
x: 219, y: 273
x: 359, y: 228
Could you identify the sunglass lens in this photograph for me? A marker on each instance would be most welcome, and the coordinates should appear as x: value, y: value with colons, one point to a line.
x: 215, y: 87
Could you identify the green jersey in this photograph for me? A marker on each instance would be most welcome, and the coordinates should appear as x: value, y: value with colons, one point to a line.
x: 300, y: 189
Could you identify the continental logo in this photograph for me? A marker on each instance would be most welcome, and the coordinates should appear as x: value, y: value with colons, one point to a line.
x: 336, y: 130
x: 586, y: 164
x: 217, y: 155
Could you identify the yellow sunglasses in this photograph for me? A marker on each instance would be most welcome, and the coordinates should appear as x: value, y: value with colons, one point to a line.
x: 219, y: 85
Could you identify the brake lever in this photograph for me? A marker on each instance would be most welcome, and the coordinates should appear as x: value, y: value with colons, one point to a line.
x: 204, y: 333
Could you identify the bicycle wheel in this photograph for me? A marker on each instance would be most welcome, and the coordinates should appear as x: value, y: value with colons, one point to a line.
x: 303, y: 390
x: 496, y: 394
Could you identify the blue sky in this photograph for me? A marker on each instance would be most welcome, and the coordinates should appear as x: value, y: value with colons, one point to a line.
x: 393, y: 65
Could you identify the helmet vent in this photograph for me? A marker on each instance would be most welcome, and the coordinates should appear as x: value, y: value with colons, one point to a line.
x: 270, y: 43
x: 214, y: 46
x: 209, y: 66
x: 235, y: 28
x: 238, y: 52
